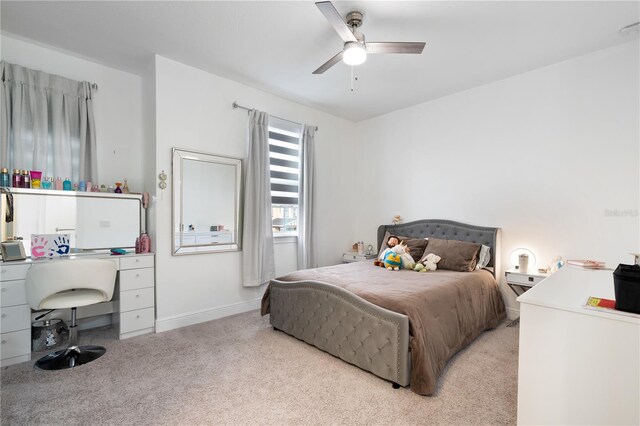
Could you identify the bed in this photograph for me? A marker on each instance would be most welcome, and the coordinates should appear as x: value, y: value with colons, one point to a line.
x: 402, y: 326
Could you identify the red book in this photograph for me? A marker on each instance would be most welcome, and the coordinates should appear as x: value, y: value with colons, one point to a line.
x: 597, y: 302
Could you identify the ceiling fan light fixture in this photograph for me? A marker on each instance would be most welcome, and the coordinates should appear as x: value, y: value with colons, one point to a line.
x: 354, y: 53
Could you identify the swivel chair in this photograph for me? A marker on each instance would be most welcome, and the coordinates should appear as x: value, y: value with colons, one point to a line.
x: 59, y: 284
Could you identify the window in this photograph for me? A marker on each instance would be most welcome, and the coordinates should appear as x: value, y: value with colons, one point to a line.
x: 284, y: 165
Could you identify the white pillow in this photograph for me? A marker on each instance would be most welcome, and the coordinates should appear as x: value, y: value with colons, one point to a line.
x: 483, y: 257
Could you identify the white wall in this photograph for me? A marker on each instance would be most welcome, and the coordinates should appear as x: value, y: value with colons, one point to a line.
x: 544, y: 155
x: 117, y: 106
x: 193, y: 111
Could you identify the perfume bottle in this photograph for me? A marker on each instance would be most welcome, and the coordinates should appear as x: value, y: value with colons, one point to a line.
x: 125, y: 188
x: 26, y: 179
x: 46, y: 183
x: 16, y: 179
x: 4, y: 177
x: 118, y: 190
x: 58, y: 184
x: 82, y: 187
x: 66, y: 185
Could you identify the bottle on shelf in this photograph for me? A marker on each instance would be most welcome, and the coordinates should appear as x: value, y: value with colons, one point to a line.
x: 16, y: 179
x: 125, y: 188
x: 145, y: 243
x: 82, y: 187
x: 46, y: 183
x: 4, y: 177
x: 58, y: 184
x: 26, y: 179
x: 118, y: 190
x: 36, y: 178
x: 66, y: 185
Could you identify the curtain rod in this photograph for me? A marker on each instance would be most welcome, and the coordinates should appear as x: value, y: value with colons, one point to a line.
x: 235, y: 105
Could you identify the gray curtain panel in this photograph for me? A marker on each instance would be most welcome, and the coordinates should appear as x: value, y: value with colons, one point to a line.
x: 47, y: 124
x: 307, y: 241
x: 258, y: 265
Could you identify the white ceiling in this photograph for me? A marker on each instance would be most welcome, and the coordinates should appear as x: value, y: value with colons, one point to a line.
x: 275, y: 46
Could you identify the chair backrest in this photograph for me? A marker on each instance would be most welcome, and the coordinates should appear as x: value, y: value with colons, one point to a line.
x: 55, y: 276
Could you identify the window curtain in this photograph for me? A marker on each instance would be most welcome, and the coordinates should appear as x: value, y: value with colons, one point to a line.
x: 47, y: 124
x: 307, y: 240
x: 258, y: 265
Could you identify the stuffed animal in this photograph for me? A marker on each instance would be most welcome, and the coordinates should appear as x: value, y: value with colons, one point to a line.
x: 419, y: 267
x: 391, y: 243
x: 431, y: 262
x: 393, y: 258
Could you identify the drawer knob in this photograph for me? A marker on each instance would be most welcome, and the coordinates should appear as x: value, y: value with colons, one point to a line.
x: 137, y: 260
x: 137, y: 295
x: 137, y: 316
x: 4, y: 315
x: 4, y: 289
x: 4, y: 341
x: 4, y: 271
x: 531, y: 279
x: 137, y: 275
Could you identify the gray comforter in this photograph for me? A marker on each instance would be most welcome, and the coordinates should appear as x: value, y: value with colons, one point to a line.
x: 447, y: 310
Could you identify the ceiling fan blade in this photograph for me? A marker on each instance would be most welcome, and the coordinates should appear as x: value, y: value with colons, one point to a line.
x: 395, y: 47
x: 336, y: 21
x: 331, y: 62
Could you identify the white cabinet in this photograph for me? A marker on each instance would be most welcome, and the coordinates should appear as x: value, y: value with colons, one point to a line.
x: 136, y: 296
x: 15, y: 320
x: 576, y: 365
x: 133, y: 311
x: 350, y: 257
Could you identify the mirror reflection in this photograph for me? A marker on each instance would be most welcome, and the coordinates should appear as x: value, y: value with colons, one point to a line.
x: 206, y: 202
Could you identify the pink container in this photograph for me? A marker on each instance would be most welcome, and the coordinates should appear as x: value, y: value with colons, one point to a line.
x: 36, y: 176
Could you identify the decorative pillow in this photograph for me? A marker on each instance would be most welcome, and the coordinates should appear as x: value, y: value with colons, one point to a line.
x: 456, y: 255
x: 416, y: 245
x: 483, y: 257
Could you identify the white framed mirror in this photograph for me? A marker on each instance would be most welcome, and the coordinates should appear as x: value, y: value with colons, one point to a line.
x: 207, y: 194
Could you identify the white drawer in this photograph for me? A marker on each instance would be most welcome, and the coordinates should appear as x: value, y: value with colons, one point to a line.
x: 136, y: 278
x: 136, y: 299
x: 14, y: 318
x: 13, y: 293
x: 15, y: 344
x: 523, y: 279
x: 136, y: 320
x: 13, y: 272
x: 136, y: 262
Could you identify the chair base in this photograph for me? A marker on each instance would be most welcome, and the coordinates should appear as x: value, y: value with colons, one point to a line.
x: 70, y: 357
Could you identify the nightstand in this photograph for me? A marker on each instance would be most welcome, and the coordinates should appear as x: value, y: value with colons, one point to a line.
x: 351, y: 256
x: 520, y: 282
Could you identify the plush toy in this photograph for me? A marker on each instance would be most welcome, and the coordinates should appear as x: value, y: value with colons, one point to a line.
x: 431, y: 262
x: 419, y: 267
x: 391, y: 243
x: 393, y: 258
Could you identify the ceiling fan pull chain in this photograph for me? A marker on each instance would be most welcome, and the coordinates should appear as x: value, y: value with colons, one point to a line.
x: 352, y: 78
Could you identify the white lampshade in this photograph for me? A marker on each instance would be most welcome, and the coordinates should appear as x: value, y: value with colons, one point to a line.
x: 514, y: 258
x: 354, y: 53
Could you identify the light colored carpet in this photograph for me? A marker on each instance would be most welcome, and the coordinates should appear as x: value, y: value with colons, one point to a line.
x: 238, y: 370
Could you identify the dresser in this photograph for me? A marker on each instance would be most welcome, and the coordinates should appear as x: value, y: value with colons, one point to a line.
x: 132, y: 308
x: 576, y: 365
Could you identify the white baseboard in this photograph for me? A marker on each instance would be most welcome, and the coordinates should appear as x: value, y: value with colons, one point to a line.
x: 177, y: 321
x: 513, y: 313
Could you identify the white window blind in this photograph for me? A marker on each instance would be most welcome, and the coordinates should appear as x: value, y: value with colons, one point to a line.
x: 284, y: 166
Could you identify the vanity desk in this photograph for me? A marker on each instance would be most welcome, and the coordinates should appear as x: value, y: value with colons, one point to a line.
x: 132, y: 308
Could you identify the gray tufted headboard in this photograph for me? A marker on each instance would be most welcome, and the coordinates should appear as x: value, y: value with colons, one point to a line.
x: 448, y: 230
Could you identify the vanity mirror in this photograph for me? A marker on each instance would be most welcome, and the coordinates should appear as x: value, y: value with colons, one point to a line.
x: 206, y: 202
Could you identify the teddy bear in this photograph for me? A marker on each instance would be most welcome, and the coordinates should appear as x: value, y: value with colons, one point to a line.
x: 393, y: 257
x: 431, y: 262
x: 419, y: 267
x: 393, y: 241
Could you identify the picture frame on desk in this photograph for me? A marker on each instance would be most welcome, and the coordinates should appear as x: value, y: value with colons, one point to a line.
x: 12, y: 250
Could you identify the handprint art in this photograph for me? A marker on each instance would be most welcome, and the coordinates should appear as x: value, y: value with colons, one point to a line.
x: 38, y: 245
x: 61, y: 246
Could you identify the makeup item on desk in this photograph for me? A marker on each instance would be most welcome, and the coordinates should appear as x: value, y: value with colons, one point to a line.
x: 118, y: 251
x: 118, y: 190
x: 125, y: 188
x: 88, y: 187
x: 16, y: 179
x: 36, y: 177
x: 82, y: 186
x: 111, y: 189
x: 523, y: 262
x: 66, y: 185
x: 75, y: 187
x: 137, y: 245
x: 57, y: 185
x: 145, y: 243
x: 46, y: 183
x: 95, y: 188
x: 26, y: 180
x: 4, y: 178
x: 103, y: 188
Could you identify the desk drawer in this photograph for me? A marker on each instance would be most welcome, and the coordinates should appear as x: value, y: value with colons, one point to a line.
x: 15, y: 344
x: 136, y: 299
x: 15, y: 272
x: 136, y: 278
x: 14, y: 318
x: 13, y: 293
x: 136, y: 320
x: 524, y: 279
x: 135, y: 262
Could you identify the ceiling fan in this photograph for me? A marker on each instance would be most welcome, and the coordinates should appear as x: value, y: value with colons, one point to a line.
x: 355, y: 49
